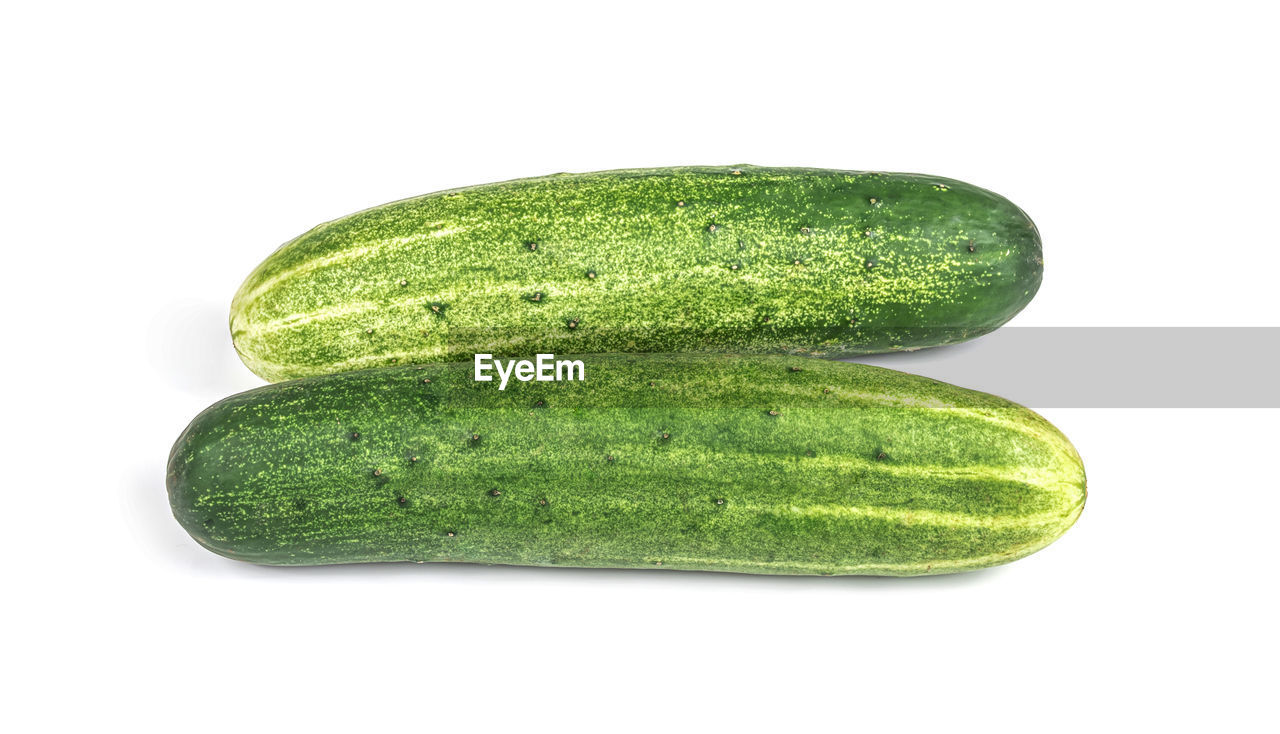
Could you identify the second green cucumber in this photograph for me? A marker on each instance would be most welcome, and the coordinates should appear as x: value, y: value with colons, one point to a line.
x: 731, y: 258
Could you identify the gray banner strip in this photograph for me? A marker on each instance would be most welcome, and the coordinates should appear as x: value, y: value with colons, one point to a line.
x: 1110, y: 367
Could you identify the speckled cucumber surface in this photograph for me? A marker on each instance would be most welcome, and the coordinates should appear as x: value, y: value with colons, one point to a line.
x: 729, y: 258
x: 768, y: 464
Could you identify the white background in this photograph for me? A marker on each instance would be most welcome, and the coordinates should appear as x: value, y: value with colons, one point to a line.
x: 154, y: 153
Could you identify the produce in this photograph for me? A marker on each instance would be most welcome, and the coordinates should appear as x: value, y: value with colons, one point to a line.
x: 765, y: 464
x: 700, y: 259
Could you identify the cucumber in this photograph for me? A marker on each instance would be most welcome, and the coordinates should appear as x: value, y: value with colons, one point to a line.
x: 766, y: 464
x: 708, y: 259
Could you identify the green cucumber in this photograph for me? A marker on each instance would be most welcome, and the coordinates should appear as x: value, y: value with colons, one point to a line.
x: 765, y: 464
x: 709, y: 259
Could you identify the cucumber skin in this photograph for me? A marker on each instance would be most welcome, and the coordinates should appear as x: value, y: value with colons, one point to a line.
x: 702, y: 259
x: 857, y: 470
